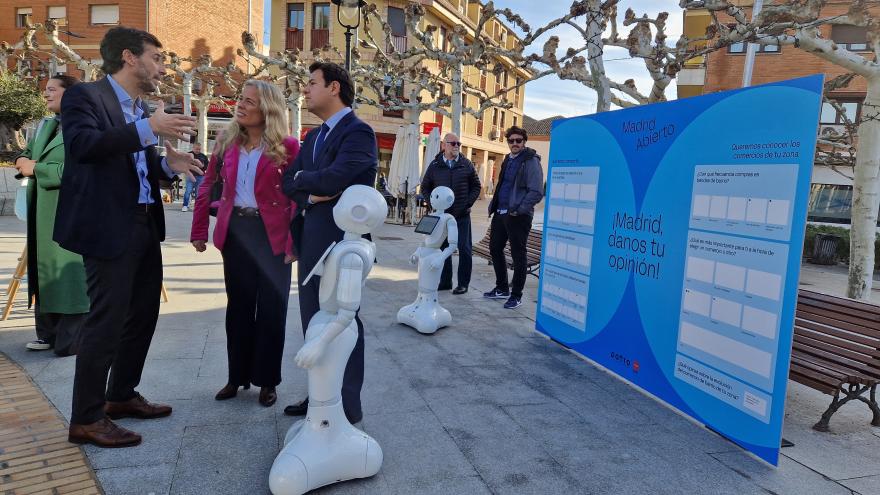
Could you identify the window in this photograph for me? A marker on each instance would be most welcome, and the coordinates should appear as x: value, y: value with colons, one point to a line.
x: 830, y: 203
x: 830, y: 116
x: 397, y: 21
x: 852, y: 38
x: 444, y: 43
x: 742, y: 48
x: 59, y: 15
x: 296, y: 16
x: 102, y: 15
x: 515, y: 120
x: 23, y: 17
x: 321, y: 16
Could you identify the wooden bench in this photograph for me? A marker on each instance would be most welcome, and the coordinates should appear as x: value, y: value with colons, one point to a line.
x: 533, y: 251
x: 836, y: 351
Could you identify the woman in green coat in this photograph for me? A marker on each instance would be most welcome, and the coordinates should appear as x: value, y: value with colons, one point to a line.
x: 56, y: 277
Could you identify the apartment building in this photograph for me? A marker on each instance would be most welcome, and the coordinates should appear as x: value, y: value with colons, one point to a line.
x: 308, y: 24
x: 189, y: 28
x: 831, y: 190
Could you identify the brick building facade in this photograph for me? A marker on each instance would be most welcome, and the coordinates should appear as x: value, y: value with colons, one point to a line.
x: 186, y: 27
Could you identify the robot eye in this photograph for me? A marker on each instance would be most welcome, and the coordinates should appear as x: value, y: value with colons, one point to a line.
x: 359, y: 213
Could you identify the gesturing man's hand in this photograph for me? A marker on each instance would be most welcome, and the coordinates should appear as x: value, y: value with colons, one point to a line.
x: 171, y: 126
x: 182, y: 163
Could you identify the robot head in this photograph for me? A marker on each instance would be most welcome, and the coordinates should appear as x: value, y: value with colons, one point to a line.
x: 442, y: 198
x: 360, y: 209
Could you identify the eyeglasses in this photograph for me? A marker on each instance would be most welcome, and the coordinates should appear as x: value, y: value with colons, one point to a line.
x: 452, y: 143
x: 514, y: 140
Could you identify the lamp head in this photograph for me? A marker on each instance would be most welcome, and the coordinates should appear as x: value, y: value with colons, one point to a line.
x: 348, y: 12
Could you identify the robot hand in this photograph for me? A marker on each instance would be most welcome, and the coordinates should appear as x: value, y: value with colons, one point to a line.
x: 310, y: 353
x: 414, y: 258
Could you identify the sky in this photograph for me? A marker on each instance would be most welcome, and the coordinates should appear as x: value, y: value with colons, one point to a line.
x: 551, y: 96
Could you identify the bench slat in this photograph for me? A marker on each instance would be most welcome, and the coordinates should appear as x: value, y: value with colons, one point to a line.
x: 838, y: 338
x: 851, y: 368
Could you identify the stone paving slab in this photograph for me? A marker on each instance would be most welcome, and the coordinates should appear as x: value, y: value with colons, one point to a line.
x: 486, y: 405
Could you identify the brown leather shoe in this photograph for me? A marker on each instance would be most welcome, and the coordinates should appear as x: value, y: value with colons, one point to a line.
x: 229, y: 391
x: 103, y: 433
x: 268, y: 396
x: 136, y: 407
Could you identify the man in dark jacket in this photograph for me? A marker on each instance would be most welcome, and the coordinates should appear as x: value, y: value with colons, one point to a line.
x: 456, y: 172
x: 520, y: 188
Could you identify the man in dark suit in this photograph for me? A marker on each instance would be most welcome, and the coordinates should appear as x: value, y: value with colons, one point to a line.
x: 110, y: 212
x: 340, y: 153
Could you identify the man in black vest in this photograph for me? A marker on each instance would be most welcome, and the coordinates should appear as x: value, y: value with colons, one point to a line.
x: 449, y: 168
x: 110, y: 212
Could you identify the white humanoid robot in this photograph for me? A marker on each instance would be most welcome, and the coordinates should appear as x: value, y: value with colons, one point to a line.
x: 425, y: 314
x: 325, y: 448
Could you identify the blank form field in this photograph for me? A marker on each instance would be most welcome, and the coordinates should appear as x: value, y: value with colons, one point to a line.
x: 759, y: 322
x: 726, y: 311
x: 561, y: 251
x: 588, y: 192
x: 584, y: 256
x: 777, y: 212
x: 701, y: 205
x: 557, y: 191
x: 570, y: 215
x: 744, y: 356
x: 756, y: 211
x: 730, y: 276
x: 700, y: 269
x: 718, y: 207
x: 572, y: 192
x: 736, y: 208
x: 555, y: 213
x: 572, y: 254
x: 551, y: 248
x: 763, y: 284
x: 697, y: 302
x: 586, y: 216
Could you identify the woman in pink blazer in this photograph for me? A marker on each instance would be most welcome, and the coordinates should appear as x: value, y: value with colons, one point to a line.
x: 253, y: 235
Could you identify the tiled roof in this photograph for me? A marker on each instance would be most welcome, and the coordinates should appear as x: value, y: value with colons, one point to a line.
x: 539, y: 127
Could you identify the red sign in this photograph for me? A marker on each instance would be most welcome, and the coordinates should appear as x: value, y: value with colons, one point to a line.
x: 427, y: 127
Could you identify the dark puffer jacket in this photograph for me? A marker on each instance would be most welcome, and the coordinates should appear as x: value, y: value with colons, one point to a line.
x: 528, y: 188
x: 461, y: 178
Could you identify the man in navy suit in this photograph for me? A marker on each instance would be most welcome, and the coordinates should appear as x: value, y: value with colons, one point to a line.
x: 110, y: 212
x: 340, y: 153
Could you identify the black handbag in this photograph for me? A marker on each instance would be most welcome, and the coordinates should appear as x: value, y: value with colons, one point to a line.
x: 216, y: 187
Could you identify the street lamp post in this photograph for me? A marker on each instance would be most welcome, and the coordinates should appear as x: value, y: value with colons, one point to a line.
x: 348, y: 14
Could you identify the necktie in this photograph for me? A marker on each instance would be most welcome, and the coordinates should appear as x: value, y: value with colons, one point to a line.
x: 320, y: 141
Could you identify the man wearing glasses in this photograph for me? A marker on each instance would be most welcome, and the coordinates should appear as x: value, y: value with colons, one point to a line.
x: 520, y: 187
x: 449, y: 168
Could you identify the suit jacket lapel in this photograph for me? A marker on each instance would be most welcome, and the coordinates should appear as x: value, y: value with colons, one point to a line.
x: 56, y: 141
x: 113, y: 108
x: 309, y: 145
x: 335, y: 135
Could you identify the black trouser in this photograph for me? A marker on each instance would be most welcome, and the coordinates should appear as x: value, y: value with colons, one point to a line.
x: 59, y: 329
x: 465, y: 255
x: 515, y: 229
x: 257, y: 289
x: 353, y: 379
x: 115, y: 337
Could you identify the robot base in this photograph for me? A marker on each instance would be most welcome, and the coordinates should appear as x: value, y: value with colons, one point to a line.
x: 323, y: 449
x: 425, y: 314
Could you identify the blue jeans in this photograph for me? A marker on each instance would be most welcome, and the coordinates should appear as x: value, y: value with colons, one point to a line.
x: 192, y: 187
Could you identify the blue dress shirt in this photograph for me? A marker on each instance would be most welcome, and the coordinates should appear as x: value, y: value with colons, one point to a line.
x: 331, y: 123
x: 133, y: 112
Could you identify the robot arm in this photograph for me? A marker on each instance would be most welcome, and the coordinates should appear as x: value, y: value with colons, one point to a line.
x: 348, y: 295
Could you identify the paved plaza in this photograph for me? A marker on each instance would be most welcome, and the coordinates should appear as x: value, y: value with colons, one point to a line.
x: 484, y: 406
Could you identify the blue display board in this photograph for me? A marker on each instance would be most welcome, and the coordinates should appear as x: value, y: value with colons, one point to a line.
x: 672, y: 244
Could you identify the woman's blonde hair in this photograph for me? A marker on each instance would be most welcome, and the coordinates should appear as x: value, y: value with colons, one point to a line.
x: 274, y: 109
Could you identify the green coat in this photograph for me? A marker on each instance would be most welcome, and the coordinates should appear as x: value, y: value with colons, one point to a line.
x: 56, y: 276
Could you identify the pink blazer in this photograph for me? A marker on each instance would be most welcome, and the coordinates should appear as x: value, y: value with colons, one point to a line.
x: 276, y: 209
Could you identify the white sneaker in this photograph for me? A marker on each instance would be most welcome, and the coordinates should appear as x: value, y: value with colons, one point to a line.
x: 185, y: 208
x: 39, y: 345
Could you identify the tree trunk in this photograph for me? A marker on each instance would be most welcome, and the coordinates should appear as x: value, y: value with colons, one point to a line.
x: 294, y: 107
x: 595, y: 28
x: 10, y: 139
x: 457, y: 89
x: 183, y: 145
x: 202, y: 123
x: 866, y: 188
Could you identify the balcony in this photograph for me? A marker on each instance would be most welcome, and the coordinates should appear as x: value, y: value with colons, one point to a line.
x: 398, y: 43
x: 294, y: 39
x: 320, y: 38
